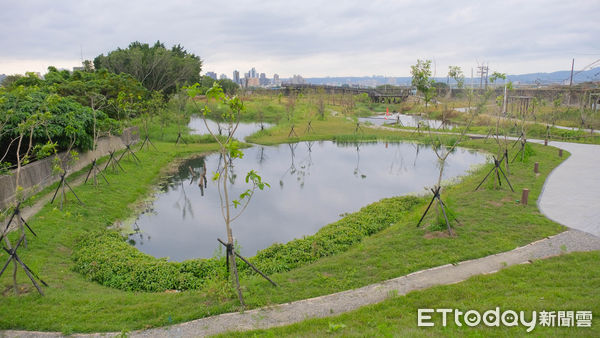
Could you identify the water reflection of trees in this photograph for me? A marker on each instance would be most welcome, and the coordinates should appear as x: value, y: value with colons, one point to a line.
x: 183, y: 173
x: 305, y: 164
x: 357, y: 171
x: 356, y: 145
x: 292, y: 169
x: 183, y: 203
x: 397, y: 164
x: 260, y: 156
x: 417, y: 149
x: 137, y: 233
x: 301, y: 170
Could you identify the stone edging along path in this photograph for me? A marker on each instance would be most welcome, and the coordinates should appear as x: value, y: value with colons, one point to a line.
x: 570, y: 193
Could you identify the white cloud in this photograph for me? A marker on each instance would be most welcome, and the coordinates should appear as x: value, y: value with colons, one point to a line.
x: 312, y: 38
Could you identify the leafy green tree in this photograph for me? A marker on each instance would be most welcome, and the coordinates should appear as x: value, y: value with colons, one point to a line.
x: 321, y: 103
x: 496, y: 76
x: 30, y: 79
x: 81, y: 85
x: 421, y: 79
x: 22, y: 103
x: 441, y: 88
x: 229, y: 87
x: 156, y: 67
x: 456, y: 73
x: 151, y: 107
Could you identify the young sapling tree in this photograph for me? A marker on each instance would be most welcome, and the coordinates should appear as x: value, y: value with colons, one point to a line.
x: 422, y: 80
x: 229, y: 150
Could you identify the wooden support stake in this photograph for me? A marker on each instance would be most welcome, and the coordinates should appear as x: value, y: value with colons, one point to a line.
x: 559, y: 152
x: 536, y: 168
x: 524, y: 196
x: 232, y: 252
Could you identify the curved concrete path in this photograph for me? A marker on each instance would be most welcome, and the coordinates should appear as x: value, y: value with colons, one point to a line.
x: 571, y: 196
x: 571, y: 193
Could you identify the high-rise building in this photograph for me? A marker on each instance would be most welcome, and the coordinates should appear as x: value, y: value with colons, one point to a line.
x: 253, y: 72
x: 298, y: 79
x: 262, y: 79
x: 276, y: 80
x: 222, y: 77
x: 236, y: 76
x: 212, y: 75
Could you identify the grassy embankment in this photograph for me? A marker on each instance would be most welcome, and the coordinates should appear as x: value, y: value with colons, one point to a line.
x: 563, y: 283
x: 535, y: 120
x: 492, y: 222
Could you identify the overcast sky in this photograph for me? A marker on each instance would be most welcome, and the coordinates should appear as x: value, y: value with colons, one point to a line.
x: 311, y: 38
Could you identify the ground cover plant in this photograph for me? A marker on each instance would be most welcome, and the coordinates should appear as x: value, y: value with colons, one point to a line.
x: 492, y: 222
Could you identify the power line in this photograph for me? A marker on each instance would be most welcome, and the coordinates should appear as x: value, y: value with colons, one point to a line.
x: 591, y: 65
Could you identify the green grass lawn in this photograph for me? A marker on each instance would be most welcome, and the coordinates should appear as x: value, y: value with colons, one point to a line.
x: 491, y: 219
x: 535, y: 124
x: 564, y: 283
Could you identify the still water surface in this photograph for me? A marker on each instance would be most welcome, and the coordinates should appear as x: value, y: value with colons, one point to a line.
x: 312, y: 183
x: 406, y: 121
x: 244, y: 129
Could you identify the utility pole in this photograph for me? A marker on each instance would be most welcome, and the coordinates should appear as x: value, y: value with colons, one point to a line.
x: 504, y: 103
x: 471, y: 78
x: 572, y: 67
x: 487, y: 68
x: 482, y: 71
x: 571, y: 82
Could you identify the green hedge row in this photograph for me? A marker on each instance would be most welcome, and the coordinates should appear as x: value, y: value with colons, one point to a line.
x: 106, y: 257
x: 336, y: 237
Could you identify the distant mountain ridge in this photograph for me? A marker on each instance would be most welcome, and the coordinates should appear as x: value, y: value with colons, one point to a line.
x: 559, y: 77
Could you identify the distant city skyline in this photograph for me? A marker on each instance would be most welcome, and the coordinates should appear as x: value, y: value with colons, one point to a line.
x: 312, y: 38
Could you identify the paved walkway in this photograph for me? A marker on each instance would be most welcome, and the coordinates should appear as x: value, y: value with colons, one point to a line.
x: 334, y: 304
x: 571, y: 194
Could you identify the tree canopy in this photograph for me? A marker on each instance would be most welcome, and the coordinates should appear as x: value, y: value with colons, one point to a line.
x: 65, y: 119
x: 69, y: 102
x: 156, y: 67
x: 81, y: 86
x: 456, y: 73
x: 422, y: 80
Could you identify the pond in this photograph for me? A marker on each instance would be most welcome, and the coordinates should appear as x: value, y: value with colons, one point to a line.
x: 312, y: 184
x: 405, y: 121
x: 244, y: 129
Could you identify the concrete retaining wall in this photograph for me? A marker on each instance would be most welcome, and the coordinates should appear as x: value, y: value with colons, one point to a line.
x: 37, y: 175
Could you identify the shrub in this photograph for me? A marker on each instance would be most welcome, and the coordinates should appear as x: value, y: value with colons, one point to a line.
x: 105, y: 257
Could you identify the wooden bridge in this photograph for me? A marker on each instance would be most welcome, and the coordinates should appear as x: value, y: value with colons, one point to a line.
x: 388, y: 95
